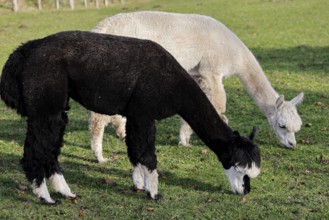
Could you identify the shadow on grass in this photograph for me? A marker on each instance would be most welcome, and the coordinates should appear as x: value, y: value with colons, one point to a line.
x: 72, y: 156
x: 74, y: 174
x: 302, y: 58
x: 13, y: 130
x: 167, y: 177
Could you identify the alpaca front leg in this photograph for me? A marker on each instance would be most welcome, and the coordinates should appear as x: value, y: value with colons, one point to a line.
x: 147, y: 180
x: 138, y: 177
x: 58, y: 182
x: 151, y: 183
x: 42, y: 192
x: 211, y: 84
x: 97, y: 123
x: 140, y: 141
x: 185, y: 133
x: 119, y: 125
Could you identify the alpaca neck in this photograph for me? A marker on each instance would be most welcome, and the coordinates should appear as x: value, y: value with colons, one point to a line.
x: 199, y: 113
x: 257, y: 85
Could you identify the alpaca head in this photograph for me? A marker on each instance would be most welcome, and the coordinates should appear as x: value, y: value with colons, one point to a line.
x: 285, y: 121
x: 241, y: 161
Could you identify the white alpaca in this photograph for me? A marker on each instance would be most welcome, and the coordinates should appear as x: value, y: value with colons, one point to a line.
x: 209, y: 51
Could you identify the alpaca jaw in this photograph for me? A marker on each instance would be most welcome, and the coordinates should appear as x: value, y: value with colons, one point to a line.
x: 287, y: 138
x: 239, y: 177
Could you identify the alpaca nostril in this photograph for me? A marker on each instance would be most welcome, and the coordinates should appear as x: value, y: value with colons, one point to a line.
x: 292, y: 144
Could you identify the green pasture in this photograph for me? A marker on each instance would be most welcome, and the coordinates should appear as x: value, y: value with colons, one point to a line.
x: 290, y: 38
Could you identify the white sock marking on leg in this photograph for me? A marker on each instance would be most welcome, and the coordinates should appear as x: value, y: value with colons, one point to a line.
x: 138, y: 177
x: 151, y: 181
x: 97, y: 123
x: 42, y: 191
x: 119, y: 124
x: 97, y: 148
x: 59, y: 184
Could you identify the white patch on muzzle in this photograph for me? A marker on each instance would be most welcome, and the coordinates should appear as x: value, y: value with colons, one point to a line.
x: 236, y: 174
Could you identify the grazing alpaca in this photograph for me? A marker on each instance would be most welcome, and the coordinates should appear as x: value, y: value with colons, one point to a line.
x: 113, y: 75
x: 209, y: 51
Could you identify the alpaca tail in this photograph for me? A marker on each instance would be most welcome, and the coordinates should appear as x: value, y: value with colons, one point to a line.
x: 9, y: 84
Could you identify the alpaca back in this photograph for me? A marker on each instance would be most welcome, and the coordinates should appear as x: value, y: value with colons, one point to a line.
x: 106, y: 74
x: 191, y: 38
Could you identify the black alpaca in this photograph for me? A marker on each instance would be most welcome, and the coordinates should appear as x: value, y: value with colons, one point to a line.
x: 113, y: 75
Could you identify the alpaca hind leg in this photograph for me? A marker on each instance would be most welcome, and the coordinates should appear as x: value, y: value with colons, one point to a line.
x: 56, y: 178
x: 41, y: 149
x: 151, y: 183
x: 97, y: 123
x: 140, y: 140
x: 138, y: 177
x: 119, y: 125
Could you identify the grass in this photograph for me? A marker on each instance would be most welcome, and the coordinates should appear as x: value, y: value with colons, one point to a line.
x: 289, y: 38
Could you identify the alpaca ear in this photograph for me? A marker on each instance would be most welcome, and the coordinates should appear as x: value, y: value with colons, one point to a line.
x: 279, y: 101
x: 253, y: 133
x: 298, y: 99
x: 236, y: 134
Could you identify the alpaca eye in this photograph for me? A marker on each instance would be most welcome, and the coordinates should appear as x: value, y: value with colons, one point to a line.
x: 238, y: 169
x: 282, y: 126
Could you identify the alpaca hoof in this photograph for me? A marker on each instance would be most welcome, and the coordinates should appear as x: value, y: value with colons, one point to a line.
x: 45, y: 202
x: 73, y: 200
x: 184, y: 144
x: 121, y: 138
x: 70, y: 196
x: 157, y: 197
x: 74, y: 196
x: 102, y: 160
x: 134, y: 189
